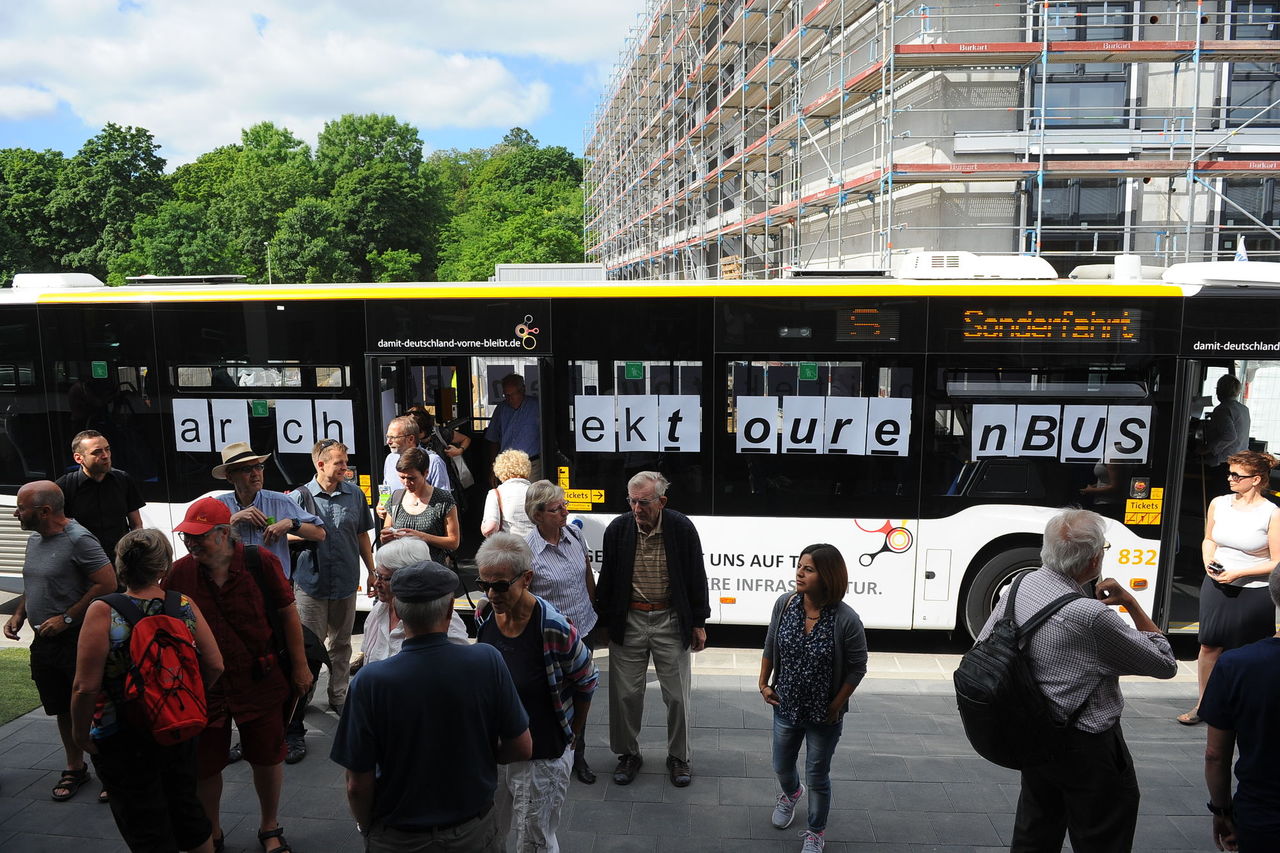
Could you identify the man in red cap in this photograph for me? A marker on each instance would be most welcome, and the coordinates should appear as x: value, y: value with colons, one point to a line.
x: 234, y: 587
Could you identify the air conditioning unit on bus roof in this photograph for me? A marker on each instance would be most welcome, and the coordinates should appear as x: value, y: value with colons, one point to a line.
x: 967, y: 265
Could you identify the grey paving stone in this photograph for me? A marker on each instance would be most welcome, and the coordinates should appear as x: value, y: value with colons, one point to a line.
x: 975, y: 829
x: 978, y: 797
x: 604, y: 817
x: 911, y: 827
x: 726, y: 821
x: 661, y: 819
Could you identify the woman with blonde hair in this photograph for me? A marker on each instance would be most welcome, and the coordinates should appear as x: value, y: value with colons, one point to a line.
x: 504, y: 506
x: 1241, y: 547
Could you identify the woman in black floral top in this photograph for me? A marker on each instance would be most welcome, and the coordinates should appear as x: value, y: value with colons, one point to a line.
x: 814, y: 656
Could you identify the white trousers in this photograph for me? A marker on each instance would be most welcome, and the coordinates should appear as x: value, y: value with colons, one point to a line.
x: 529, y: 798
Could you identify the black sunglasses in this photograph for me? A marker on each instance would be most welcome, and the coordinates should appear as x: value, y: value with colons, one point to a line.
x: 500, y: 587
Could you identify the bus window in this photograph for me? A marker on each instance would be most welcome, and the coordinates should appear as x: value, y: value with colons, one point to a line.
x: 1039, y: 434
x: 816, y: 438
x: 24, y: 432
x: 626, y: 416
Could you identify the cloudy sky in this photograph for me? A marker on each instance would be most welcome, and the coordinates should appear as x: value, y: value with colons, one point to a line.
x: 195, y: 72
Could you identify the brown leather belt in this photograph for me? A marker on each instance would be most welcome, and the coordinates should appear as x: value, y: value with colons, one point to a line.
x: 648, y: 607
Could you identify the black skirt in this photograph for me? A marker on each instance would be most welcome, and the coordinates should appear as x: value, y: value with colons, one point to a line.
x: 1234, y: 616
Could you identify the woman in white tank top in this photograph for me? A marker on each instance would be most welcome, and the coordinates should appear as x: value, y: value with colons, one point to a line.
x: 1241, y: 547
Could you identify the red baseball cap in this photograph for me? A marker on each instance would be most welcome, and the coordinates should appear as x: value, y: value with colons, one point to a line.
x: 204, y: 515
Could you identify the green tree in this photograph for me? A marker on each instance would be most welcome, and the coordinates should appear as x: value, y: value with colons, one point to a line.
x: 308, y: 245
x: 522, y: 205
x: 27, y: 179
x: 394, y: 265
x: 518, y: 137
x: 272, y: 173
x: 175, y: 240
x: 114, y: 177
x: 208, y: 177
x: 355, y: 142
x: 382, y: 206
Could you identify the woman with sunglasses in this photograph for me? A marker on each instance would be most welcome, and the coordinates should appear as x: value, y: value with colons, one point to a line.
x: 1241, y: 546
x: 383, y: 633
x: 555, y: 678
x: 562, y: 575
x: 420, y: 510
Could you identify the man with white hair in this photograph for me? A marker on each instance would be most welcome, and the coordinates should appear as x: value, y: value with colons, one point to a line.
x: 652, y: 597
x: 1077, y: 658
x: 422, y: 775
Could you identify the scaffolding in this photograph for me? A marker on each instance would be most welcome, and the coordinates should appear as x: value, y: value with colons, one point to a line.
x: 753, y: 137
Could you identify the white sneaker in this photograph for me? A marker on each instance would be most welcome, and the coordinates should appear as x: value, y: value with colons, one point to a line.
x: 785, y: 811
x: 813, y: 842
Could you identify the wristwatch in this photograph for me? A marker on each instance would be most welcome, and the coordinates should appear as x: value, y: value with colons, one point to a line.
x: 67, y: 619
x: 1219, y: 811
x: 295, y: 525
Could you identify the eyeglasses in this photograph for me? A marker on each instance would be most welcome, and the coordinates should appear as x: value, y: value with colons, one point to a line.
x: 243, y: 468
x: 1235, y: 478
x: 642, y: 501
x: 379, y: 577
x: 390, y: 437
x: 190, y: 539
x: 326, y: 443
x: 500, y: 587
x: 558, y: 508
x: 1106, y: 546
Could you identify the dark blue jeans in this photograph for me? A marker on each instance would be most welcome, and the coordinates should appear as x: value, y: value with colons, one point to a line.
x: 820, y: 741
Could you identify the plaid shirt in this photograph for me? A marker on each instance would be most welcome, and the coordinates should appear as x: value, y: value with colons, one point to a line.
x: 1079, y: 654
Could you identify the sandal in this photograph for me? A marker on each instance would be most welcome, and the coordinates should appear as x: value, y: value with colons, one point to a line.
x: 220, y: 843
x: 104, y: 796
x: 70, y: 782
x: 1190, y: 718
x: 278, y: 832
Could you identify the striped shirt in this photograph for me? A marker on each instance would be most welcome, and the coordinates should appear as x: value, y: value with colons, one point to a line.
x: 649, y: 580
x: 570, y: 671
x: 560, y: 577
x: 1078, y: 655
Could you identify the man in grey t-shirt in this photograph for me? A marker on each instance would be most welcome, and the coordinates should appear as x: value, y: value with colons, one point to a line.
x: 64, y: 571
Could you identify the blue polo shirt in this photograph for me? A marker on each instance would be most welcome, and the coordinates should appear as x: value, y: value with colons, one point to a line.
x: 427, y: 721
x: 516, y: 429
x: 1243, y: 695
x: 273, y: 505
x: 331, y: 571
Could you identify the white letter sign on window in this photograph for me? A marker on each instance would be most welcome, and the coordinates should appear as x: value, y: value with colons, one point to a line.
x: 679, y: 423
x: 294, y: 426
x: 1038, y: 430
x: 191, y: 426
x: 993, y: 431
x: 1084, y: 433
x: 803, y: 419
x: 888, y: 426
x: 637, y: 422
x: 594, y: 420
x: 1128, y: 433
x: 230, y: 422
x: 845, y: 430
x: 757, y: 424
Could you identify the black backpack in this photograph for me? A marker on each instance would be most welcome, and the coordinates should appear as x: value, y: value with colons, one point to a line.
x: 1005, y: 714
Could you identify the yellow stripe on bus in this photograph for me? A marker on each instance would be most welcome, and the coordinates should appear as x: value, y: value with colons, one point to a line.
x: 538, y: 290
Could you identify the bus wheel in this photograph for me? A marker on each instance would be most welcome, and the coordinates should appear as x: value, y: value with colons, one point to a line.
x: 991, y: 581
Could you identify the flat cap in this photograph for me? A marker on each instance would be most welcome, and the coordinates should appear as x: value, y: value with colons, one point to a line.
x: 425, y: 581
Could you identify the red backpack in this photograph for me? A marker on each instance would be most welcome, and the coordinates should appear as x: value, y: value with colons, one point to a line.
x: 163, y: 688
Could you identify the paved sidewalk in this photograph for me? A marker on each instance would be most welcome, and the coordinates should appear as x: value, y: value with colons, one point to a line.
x: 904, y: 776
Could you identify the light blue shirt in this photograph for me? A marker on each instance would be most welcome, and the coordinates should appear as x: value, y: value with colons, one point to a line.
x: 272, y: 505
x: 517, y: 429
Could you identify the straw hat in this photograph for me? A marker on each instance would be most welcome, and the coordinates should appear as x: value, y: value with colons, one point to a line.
x: 235, y: 454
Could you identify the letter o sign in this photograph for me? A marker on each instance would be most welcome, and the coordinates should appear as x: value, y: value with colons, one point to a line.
x: 757, y: 430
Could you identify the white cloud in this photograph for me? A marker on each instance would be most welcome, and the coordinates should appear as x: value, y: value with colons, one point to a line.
x: 23, y: 102
x: 195, y: 73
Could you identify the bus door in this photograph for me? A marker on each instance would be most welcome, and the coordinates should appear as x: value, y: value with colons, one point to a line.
x: 459, y: 392
x: 1231, y: 405
x: 1230, y: 390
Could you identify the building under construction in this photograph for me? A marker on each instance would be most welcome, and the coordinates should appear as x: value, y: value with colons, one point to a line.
x: 759, y: 138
